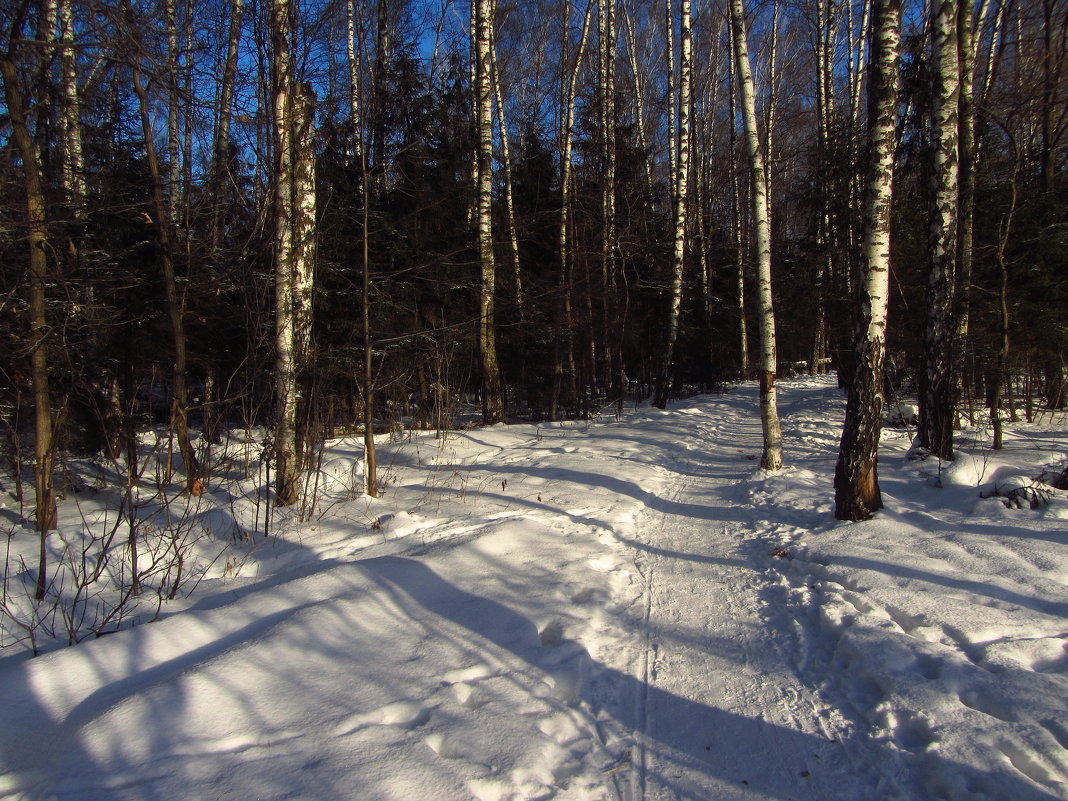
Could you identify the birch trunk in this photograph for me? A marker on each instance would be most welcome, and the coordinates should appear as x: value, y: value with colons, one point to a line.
x: 565, y: 332
x: 609, y: 301
x: 824, y: 115
x: 287, y: 462
x: 938, y: 381
x: 680, y: 181
x: 37, y: 240
x: 506, y: 158
x: 639, y: 95
x: 294, y: 285
x: 73, y: 165
x: 1000, y: 373
x: 367, y: 390
x: 170, y: 14
x: 736, y: 217
x: 773, y: 86
x: 771, y: 459
x: 856, y: 480
x: 492, y: 400
x: 966, y: 175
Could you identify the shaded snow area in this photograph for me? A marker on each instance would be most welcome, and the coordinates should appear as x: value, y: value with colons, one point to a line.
x: 617, y: 610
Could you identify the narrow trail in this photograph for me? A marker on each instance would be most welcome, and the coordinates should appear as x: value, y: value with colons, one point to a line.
x: 721, y: 713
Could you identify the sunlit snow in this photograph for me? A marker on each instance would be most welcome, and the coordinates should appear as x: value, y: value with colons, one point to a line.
x: 622, y: 609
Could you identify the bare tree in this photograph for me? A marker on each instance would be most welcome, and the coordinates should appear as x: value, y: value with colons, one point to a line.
x: 771, y: 459
x: 162, y: 223
x: 506, y: 163
x: 680, y: 183
x: 856, y: 479
x: 355, y: 53
x: 737, y: 222
x: 938, y: 381
x: 221, y: 145
x: 492, y: 393
x: 565, y: 333
x: 73, y: 159
x: 294, y: 109
x: 15, y: 98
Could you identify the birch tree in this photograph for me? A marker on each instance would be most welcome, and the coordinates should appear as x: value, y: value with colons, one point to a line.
x: 492, y: 395
x: 506, y: 159
x: 609, y: 302
x: 355, y: 54
x: 737, y: 227
x: 825, y: 244
x: 565, y: 333
x: 73, y: 159
x: 856, y: 480
x: 771, y: 459
x: 680, y: 182
x: 294, y: 212
x: 938, y: 381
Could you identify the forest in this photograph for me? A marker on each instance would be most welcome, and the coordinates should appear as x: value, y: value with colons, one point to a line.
x: 338, y: 216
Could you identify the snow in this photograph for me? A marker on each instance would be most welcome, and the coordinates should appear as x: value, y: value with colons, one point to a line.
x: 623, y: 609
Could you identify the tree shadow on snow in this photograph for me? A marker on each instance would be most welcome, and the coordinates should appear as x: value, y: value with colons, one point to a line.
x: 685, y: 725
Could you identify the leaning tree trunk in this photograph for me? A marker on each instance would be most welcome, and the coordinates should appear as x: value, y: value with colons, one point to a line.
x: 938, y: 382
x: 771, y: 459
x: 162, y: 224
x: 856, y: 481
x: 37, y: 239
x: 492, y: 396
x: 680, y: 181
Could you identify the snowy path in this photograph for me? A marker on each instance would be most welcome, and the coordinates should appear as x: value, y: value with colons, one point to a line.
x: 720, y: 712
x: 619, y: 611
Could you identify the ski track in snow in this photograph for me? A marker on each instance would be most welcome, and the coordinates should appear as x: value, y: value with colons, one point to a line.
x: 624, y: 611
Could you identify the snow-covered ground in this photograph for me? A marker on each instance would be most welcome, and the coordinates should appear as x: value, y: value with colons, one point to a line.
x: 617, y: 610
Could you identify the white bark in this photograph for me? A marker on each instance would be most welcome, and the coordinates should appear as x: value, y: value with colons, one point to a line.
x: 287, y: 462
x: 567, y: 124
x: 354, y: 46
x: 170, y: 15
x: 938, y: 381
x: 773, y: 98
x: 70, y: 118
x: 680, y: 181
x: 769, y: 416
x: 303, y: 255
x: 610, y: 341
x: 857, y: 493
x: 492, y: 400
x: 736, y: 213
x: 506, y: 158
x: 639, y: 93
